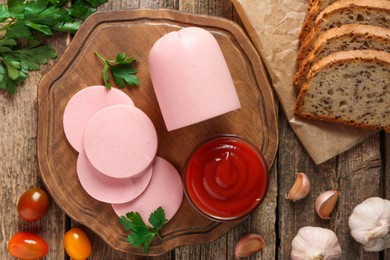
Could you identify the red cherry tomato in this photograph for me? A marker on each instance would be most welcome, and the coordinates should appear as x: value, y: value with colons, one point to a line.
x: 33, y: 204
x: 27, y: 246
x: 77, y: 244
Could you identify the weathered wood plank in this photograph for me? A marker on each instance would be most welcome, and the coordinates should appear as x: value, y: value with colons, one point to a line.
x: 294, y: 215
x: 386, y: 175
x: 18, y: 166
x: 207, y: 7
x: 359, y: 173
x: 355, y: 173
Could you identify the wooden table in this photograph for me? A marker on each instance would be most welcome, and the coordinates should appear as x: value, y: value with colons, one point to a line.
x: 358, y: 173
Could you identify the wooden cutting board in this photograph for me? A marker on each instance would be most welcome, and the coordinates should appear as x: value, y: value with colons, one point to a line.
x: 134, y: 32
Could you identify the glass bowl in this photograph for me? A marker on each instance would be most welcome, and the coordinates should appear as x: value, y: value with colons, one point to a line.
x: 225, y: 177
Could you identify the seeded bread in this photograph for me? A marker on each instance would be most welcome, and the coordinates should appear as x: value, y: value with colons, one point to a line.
x: 314, y: 7
x: 311, y: 3
x: 346, y: 37
x: 371, y: 12
x: 349, y: 87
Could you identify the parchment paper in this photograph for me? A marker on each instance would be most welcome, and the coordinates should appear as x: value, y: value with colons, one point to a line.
x: 273, y: 26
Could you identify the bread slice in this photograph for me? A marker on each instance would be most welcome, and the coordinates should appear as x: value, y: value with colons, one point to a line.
x: 371, y: 12
x: 314, y: 7
x: 346, y: 37
x: 311, y: 3
x: 350, y: 87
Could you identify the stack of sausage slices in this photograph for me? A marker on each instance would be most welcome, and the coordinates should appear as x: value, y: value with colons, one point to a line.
x: 343, y: 64
x: 117, y: 146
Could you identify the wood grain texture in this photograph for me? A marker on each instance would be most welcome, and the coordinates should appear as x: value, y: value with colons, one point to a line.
x: 114, y: 32
x: 361, y: 172
x: 385, y: 150
x: 18, y: 164
x: 357, y: 174
x: 359, y: 178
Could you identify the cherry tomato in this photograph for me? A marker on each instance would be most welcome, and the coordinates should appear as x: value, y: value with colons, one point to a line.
x: 27, y: 246
x: 77, y: 244
x: 33, y: 204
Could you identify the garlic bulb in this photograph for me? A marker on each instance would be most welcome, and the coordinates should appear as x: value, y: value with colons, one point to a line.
x: 370, y: 222
x: 315, y: 243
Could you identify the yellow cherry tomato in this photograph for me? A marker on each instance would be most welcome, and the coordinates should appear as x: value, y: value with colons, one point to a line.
x: 77, y: 244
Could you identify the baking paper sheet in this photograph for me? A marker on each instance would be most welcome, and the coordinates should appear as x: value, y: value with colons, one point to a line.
x: 273, y: 26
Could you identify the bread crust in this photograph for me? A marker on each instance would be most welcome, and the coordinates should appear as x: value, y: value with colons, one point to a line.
x: 337, y: 8
x: 313, y: 9
x: 369, y: 33
x: 379, y: 57
x: 345, y: 56
x: 311, y: 3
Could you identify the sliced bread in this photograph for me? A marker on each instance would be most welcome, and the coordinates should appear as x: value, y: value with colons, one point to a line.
x: 314, y: 7
x: 311, y: 3
x: 349, y: 87
x: 346, y: 37
x: 371, y: 12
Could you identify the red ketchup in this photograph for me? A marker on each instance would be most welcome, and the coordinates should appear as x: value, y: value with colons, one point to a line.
x: 226, y: 178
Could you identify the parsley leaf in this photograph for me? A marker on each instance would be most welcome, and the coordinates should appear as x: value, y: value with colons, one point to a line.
x: 32, y: 58
x: 95, y: 3
x: 4, y: 14
x: 6, y: 83
x: 81, y: 9
x: 157, y: 218
x: 24, y: 22
x: 121, y: 69
x: 18, y: 30
x: 140, y: 233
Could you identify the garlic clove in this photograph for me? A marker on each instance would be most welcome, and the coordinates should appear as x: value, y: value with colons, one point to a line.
x: 325, y: 203
x: 300, y: 188
x: 248, y: 245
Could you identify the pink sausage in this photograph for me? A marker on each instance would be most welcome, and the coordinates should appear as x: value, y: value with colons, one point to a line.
x: 108, y: 189
x: 120, y: 141
x: 190, y: 77
x: 165, y: 190
x: 83, y: 105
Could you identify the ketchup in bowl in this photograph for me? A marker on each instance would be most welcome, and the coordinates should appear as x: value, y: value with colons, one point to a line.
x: 226, y: 177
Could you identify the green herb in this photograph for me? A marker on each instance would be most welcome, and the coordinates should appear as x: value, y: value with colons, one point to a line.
x: 141, y: 234
x: 24, y: 25
x: 121, y: 70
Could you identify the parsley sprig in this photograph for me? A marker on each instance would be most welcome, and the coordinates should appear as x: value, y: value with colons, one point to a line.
x: 142, y: 234
x: 24, y: 27
x: 121, y: 69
